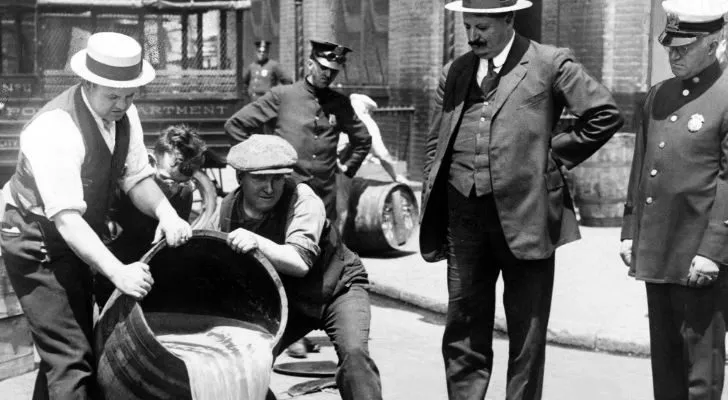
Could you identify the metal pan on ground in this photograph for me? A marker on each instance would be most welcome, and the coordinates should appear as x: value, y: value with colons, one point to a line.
x: 307, y: 368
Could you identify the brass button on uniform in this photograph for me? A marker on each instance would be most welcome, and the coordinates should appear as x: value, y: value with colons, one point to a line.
x: 673, y: 118
x: 696, y: 79
x: 653, y: 172
x: 314, y: 156
x: 685, y: 92
x: 649, y: 200
x: 482, y: 119
x: 661, y: 145
x: 487, y: 103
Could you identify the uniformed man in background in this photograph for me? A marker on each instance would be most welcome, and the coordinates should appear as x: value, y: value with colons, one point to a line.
x: 675, y: 228
x: 264, y: 73
x: 310, y: 115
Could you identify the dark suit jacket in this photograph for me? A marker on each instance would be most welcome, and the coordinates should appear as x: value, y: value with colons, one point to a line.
x: 534, y: 205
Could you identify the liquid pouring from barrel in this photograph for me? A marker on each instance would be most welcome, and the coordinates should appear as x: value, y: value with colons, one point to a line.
x: 205, y: 331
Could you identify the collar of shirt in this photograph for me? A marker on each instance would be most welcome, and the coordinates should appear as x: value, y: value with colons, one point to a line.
x: 317, y: 92
x: 108, y: 131
x: 498, y: 60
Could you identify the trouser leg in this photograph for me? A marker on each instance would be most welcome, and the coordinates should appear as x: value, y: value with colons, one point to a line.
x: 528, y: 287
x: 471, y: 278
x: 57, y: 301
x: 687, y: 340
x: 346, y: 321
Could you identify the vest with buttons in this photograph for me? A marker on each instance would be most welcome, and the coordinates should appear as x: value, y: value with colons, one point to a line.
x: 470, y: 167
x: 100, y: 171
x: 335, y: 269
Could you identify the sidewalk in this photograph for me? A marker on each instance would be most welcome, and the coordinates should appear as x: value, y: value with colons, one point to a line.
x: 595, y: 306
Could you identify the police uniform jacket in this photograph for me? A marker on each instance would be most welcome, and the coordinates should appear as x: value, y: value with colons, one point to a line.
x: 259, y: 78
x: 534, y: 206
x: 677, y: 202
x: 310, y: 119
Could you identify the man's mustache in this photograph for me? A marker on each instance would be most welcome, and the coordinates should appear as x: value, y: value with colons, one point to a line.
x: 477, y: 43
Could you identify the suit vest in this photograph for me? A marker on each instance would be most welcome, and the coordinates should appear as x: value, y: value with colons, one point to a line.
x: 100, y: 171
x: 470, y: 167
x: 335, y: 269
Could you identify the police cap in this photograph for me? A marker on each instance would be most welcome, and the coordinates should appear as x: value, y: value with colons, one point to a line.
x: 330, y: 55
x: 689, y: 20
x: 263, y: 154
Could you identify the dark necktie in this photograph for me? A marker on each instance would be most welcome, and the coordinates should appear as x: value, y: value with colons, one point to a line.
x: 489, y: 82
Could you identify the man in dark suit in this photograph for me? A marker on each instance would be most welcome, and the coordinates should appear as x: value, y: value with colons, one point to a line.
x: 675, y: 227
x: 494, y: 199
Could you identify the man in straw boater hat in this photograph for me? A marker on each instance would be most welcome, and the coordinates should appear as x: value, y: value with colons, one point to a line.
x: 72, y: 154
x: 264, y: 73
x: 326, y: 283
x: 494, y: 198
x: 675, y: 226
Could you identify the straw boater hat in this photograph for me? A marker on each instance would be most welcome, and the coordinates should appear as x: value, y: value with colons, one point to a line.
x: 688, y: 20
x: 113, y: 60
x: 488, y: 6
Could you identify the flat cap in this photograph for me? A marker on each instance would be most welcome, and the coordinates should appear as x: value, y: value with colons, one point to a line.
x: 263, y: 154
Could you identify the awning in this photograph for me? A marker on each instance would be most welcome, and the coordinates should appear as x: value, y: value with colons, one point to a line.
x: 140, y: 4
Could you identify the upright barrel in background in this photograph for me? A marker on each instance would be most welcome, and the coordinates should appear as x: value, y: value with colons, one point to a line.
x: 16, y: 344
x: 600, y: 183
x: 382, y: 216
x: 203, y: 277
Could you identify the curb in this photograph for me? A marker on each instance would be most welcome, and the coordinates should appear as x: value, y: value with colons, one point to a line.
x: 591, y: 341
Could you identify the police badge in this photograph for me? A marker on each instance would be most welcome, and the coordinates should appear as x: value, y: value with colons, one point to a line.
x: 332, y: 119
x: 695, y: 122
x: 264, y: 72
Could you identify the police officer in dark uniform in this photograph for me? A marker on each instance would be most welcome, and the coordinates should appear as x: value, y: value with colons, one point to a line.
x: 310, y: 115
x: 264, y: 73
x: 675, y: 228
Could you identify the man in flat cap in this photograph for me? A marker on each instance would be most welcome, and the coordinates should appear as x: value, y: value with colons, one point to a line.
x: 675, y: 227
x: 326, y: 283
x: 310, y: 116
x: 264, y: 73
x: 73, y: 154
x: 494, y: 200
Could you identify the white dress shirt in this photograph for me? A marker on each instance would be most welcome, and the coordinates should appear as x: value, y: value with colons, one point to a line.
x: 498, y: 60
x: 54, y: 148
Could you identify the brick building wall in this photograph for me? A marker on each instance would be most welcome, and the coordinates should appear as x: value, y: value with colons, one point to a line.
x: 611, y: 38
x: 415, y: 61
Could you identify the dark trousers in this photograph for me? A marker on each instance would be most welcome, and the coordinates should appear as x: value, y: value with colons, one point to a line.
x: 687, y: 339
x: 346, y: 321
x: 56, y: 298
x: 478, y: 254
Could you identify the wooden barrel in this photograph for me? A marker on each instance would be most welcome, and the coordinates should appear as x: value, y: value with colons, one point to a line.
x: 203, y: 277
x: 382, y: 216
x: 16, y: 344
x: 600, y: 183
